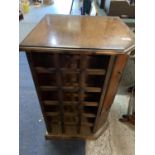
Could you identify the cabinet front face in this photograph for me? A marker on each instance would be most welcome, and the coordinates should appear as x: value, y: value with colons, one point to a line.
x: 71, y: 90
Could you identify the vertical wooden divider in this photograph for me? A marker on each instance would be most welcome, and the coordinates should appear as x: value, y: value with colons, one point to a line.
x: 59, y: 85
x: 75, y: 84
x: 83, y: 65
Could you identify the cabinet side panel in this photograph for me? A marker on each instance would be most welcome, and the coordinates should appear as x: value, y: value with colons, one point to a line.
x: 105, y: 87
x: 35, y: 80
x: 113, y: 84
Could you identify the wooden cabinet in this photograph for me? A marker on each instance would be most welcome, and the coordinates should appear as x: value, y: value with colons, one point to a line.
x: 121, y: 8
x: 76, y: 63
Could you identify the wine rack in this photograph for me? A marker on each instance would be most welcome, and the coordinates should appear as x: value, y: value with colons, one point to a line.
x: 76, y: 76
x: 70, y: 87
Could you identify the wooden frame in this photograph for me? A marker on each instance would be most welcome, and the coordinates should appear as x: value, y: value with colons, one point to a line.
x: 76, y: 85
x: 98, y: 118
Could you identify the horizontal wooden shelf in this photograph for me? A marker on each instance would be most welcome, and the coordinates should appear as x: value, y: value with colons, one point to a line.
x: 49, y: 102
x: 45, y: 70
x: 95, y: 71
x: 89, y: 115
x: 70, y: 123
x: 55, y: 88
x: 55, y: 122
x: 70, y: 71
x: 48, y: 88
x: 73, y: 89
x: 75, y: 124
x: 42, y: 70
x: 70, y: 114
x: 93, y: 104
x: 52, y: 113
x: 93, y: 89
x: 87, y: 124
x: 68, y: 103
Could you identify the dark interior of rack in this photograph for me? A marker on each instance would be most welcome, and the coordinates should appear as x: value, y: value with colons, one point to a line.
x: 70, y: 87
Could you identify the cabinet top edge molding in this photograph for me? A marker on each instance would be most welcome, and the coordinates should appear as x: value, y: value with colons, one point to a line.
x: 84, y: 32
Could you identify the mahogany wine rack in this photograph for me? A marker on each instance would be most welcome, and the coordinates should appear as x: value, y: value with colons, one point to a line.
x: 76, y: 79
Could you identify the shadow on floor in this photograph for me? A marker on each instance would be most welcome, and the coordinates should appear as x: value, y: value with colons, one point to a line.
x: 68, y: 147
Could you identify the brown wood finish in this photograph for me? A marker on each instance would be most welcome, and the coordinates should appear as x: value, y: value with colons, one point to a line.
x: 59, y: 88
x: 110, y: 67
x: 63, y: 31
x: 112, y: 88
x: 114, y: 80
x: 76, y: 64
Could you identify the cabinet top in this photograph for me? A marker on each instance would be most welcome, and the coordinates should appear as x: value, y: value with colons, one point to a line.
x: 84, y: 32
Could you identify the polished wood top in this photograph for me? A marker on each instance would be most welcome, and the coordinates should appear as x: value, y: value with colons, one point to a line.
x: 86, y: 32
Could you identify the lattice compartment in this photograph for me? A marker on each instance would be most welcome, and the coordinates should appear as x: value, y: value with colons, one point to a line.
x: 49, y: 95
x: 47, y: 79
x: 70, y: 79
x: 98, y: 61
x: 90, y: 110
x: 71, y: 119
x: 92, y: 97
x: 53, y: 119
x: 69, y: 61
x: 95, y: 80
x: 56, y: 128
x: 52, y: 108
x: 70, y: 86
x: 70, y: 96
x: 43, y: 60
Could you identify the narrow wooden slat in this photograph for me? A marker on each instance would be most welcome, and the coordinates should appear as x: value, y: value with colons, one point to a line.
x: 72, y: 89
x: 55, y: 122
x: 52, y: 70
x: 89, y: 115
x: 83, y: 64
x: 70, y: 123
x: 54, y: 88
x: 59, y: 84
x: 69, y: 71
x: 48, y: 88
x: 51, y: 113
x: 87, y: 124
x: 69, y: 114
x: 44, y: 70
x: 95, y: 104
x: 72, y: 69
x: 95, y: 71
x: 68, y: 103
x: 49, y: 102
x: 93, y: 89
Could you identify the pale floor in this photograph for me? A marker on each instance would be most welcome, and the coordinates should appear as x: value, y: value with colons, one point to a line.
x: 119, y: 138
